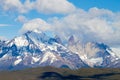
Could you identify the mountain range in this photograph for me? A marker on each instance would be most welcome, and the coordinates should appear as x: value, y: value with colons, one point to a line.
x: 35, y: 48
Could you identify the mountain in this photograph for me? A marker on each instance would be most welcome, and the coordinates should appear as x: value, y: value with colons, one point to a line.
x: 95, y: 54
x: 71, y: 40
x: 35, y: 48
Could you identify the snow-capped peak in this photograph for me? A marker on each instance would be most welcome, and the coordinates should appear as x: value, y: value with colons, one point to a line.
x: 37, y: 31
x: 21, y: 41
x: 36, y: 48
x: 94, y: 54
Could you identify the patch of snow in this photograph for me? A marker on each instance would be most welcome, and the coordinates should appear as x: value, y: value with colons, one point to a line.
x: 112, y: 53
x: 47, y: 56
x: 116, y: 51
x: 26, y: 54
x: 17, y: 62
x: 83, y: 57
x: 21, y: 41
x: 116, y: 58
x: 18, y: 57
x: 37, y: 31
x: 35, y: 59
x: 94, y: 61
x: 52, y: 47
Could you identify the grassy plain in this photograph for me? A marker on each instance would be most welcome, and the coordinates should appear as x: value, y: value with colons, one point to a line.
x: 50, y: 73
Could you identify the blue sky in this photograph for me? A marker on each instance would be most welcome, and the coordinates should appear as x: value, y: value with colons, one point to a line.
x: 113, y: 5
x: 15, y: 15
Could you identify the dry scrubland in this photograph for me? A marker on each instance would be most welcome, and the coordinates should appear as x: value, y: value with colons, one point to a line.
x: 50, y: 73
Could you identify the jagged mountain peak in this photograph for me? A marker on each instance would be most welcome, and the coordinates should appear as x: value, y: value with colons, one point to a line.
x: 43, y: 37
x: 35, y: 31
x: 36, y: 48
x: 71, y: 40
x: 58, y: 39
x: 94, y: 54
x: 32, y: 48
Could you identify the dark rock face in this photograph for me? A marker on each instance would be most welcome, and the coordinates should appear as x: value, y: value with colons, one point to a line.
x: 71, y: 40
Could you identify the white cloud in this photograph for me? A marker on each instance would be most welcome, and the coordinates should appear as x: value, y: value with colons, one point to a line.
x: 35, y: 24
x: 21, y: 19
x: 94, y: 25
x: 16, y: 5
x: 3, y: 25
x: 11, y: 4
x: 42, y: 6
x: 54, y: 6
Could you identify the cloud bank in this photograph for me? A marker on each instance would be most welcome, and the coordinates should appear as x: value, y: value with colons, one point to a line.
x: 99, y: 25
x: 42, y: 6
